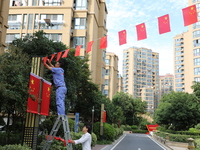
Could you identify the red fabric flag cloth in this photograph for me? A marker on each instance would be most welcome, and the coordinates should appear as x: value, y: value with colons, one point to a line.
x: 190, y: 15
x: 141, y: 31
x: 52, y: 56
x: 65, y: 53
x: 45, y: 60
x: 164, y: 24
x: 58, y: 56
x: 78, y: 49
x: 46, y: 92
x: 103, y: 42
x: 89, y: 46
x: 34, y: 87
x: 122, y: 37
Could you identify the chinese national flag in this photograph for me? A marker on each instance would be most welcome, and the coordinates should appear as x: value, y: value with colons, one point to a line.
x: 164, y: 24
x: 141, y: 31
x: 58, y: 56
x: 190, y: 15
x: 103, y: 42
x: 45, y: 59
x: 89, y: 46
x: 65, y: 53
x: 122, y: 37
x: 46, y: 91
x: 34, y: 87
x: 52, y: 56
x: 78, y: 48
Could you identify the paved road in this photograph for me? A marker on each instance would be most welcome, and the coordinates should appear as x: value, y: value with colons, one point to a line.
x: 137, y: 142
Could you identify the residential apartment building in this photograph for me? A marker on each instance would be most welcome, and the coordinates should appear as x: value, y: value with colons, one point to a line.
x: 120, y: 83
x: 140, y: 74
x: 73, y: 22
x: 111, y: 75
x: 4, y: 9
x: 166, y: 84
x: 187, y: 55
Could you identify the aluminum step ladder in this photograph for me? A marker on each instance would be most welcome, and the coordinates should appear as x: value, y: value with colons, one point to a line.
x: 62, y: 119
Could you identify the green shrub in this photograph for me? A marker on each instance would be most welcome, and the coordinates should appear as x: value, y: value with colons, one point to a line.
x: 134, y: 127
x: 122, y: 126
x: 108, y: 133
x: 15, y: 138
x: 140, y: 131
x: 15, y: 147
x: 197, y: 126
x: 197, y: 144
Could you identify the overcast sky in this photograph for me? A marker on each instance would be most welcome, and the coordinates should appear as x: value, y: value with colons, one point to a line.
x: 126, y: 14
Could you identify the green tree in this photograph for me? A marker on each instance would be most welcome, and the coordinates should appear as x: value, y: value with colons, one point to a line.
x: 179, y: 110
x: 196, y: 89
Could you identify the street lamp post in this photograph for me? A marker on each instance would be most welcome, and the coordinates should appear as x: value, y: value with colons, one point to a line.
x: 92, y: 118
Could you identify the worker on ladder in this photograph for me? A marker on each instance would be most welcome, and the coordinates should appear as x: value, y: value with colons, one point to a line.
x: 58, y: 79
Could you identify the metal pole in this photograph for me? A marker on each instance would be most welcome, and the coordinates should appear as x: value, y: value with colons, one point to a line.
x: 92, y: 118
x: 101, y: 124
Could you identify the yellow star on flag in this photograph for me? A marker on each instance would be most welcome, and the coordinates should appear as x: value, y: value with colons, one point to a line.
x: 32, y: 81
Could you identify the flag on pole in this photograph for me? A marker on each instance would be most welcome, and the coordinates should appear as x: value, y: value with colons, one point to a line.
x: 65, y: 53
x: 34, y: 88
x: 45, y: 60
x: 141, y: 31
x: 46, y: 91
x: 122, y: 37
x: 58, y: 56
x: 89, y: 46
x: 52, y: 56
x: 78, y: 48
x: 190, y: 15
x: 164, y: 24
x: 103, y: 42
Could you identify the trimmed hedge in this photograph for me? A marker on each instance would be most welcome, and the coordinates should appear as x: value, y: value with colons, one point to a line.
x: 140, y: 131
x: 15, y: 147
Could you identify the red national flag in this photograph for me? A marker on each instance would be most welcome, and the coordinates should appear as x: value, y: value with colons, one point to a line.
x: 78, y: 49
x: 46, y: 91
x: 34, y: 88
x: 190, y: 15
x: 58, y: 56
x: 103, y: 42
x: 141, y: 31
x: 122, y: 37
x: 45, y: 59
x: 164, y: 24
x: 65, y: 53
x: 52, y: 56
x: 89, y: 46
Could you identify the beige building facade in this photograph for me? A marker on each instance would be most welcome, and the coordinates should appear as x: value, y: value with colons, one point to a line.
x: 4, y: 9
x: 73, y: 22
x: 113, y: 81
x: 141, y: 75
x: 166, y: 84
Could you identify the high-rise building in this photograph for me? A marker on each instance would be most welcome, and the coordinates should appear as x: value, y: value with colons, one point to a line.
x: 4, y: 9
x: 120, y: 83
x: 166, y: 84
x: 73, y: 22
x: 140, y: 74
x: 187, y: 55
x: 111, y: 75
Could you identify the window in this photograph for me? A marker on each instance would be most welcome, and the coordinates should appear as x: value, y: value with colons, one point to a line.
x: 50, y: 2
x: 11, y: 37
x: 104, y: 55
x: 36, y: 21
x: 54, y: 37
x: 107, y: 61
x: 196, y: 52
x: 105, y: 92
x: 179, y: 89
x: 80, y: 23
x: 196, y: 34
x: 197, y: 71
x: 103, y: 72
x: 106, y: 81
x: 196, y: 43
x: 81, y: 4
x: 197, y: 79
x: 24, y: 25
x: 79, y: 41
x: 30, y: 21
x: 107, y: 72
x: 196, y: 61
x: 51, y: 21
x: 14, y: 22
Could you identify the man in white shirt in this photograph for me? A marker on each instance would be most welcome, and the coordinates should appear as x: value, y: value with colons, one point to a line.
x: 86, y: 138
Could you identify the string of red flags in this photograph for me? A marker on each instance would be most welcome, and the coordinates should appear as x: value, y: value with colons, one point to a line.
x: 189, y: 17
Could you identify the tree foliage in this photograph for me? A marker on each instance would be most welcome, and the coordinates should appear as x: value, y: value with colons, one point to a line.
x: 179, y: 110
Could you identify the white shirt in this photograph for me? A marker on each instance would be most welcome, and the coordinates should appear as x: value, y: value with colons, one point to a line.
x: 85, y: 140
